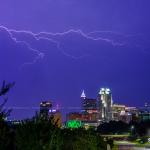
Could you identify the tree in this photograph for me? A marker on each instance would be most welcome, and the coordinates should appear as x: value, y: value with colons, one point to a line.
x: 6, y: 134
x: 113, y: 127
x: 37, y: 134
x: 81, y: 139
x: 43, y: 134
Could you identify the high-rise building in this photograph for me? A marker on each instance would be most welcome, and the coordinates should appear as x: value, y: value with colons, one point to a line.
x: 88, y: 104
x: 47, y: 112
x: 45, y: 107
x: 105, y: 104
x: 89, y: 108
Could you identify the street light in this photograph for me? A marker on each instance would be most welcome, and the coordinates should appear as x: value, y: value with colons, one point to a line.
x: 132, y: 130
x: 132, y: 127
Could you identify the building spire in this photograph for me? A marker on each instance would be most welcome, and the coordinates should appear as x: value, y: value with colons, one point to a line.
x: 83, y: 94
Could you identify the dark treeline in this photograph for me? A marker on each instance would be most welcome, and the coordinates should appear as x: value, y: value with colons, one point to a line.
x: 139, y: 129
x: 113, y: 127
x: 41, y: 134
x: 38, y: 134
x: 136, y: 131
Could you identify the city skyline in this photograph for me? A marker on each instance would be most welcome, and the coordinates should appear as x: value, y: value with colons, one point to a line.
x: 83, y: 97
x: 53, y: 49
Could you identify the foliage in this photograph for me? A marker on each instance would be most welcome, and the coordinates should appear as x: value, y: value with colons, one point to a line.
x: 6, y: 87
x: 37, y: 134
x: 43, y: 134
x: 80, y: 139
x: 6, y: 133
x: 113, y: 127
x: 132, y: 138
x: 110, y: 142
x: 3, y: 91
x: 142, y: 128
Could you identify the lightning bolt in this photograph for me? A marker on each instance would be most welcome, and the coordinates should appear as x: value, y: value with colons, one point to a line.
x: 85, y: 35
x: 51, y: 37
x: 39, y: 54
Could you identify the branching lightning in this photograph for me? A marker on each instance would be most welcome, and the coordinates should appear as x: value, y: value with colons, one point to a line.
x: 50, y: 37
x: 39, y: 54
x: 87, y: 36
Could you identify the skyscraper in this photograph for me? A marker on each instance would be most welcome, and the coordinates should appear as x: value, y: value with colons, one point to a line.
x: 89, y: 108
x: 45, y: 106
x: 105, y: 104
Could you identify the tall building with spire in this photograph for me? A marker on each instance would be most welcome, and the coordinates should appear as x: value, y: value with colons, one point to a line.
x: 83, y: 96
x: 89, y: 108
x: 105, y: 104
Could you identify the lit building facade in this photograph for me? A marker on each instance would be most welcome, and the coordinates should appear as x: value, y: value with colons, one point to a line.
x: 117, y: 111
x: 47, y: 112
x: 57, y: 116
x: 105, y: 105
x: 74, y: 116
x: 45, y: 107
x: 89, y: 108
x: 133, y: 112
x: 144, y: 113
x: 125, y: 114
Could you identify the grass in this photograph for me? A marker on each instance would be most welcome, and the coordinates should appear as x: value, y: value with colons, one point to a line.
x: 115, y: 147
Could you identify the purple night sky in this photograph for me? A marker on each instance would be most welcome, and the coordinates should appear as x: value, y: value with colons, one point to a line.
x: 53, y: 49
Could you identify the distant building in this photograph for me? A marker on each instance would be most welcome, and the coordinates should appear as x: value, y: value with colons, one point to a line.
x: 74, y: 116
x: 56, y: 115
x: 117, y: 110
x: 125, y: 114
x: 133, y: 112
x: 45, y: 107
x: 89, y: 105
x: 105, y: 104
x: 47, y: 112
x: 89, y: 108
x: 144, y: 113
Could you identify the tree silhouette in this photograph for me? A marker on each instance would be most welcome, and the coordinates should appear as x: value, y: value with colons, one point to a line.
x: 43, y: 134
x: 6, y: 134
x: 3, y: 91
x: 6, y: 87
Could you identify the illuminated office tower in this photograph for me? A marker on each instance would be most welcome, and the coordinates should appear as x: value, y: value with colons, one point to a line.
x: 105, y: 104
x: 89, y: 108
x: 88, y: 104
x: 83, y: 101
x: 45, y: 107
x: 83, y: 96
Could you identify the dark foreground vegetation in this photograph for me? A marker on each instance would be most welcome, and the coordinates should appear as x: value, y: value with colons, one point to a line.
x: 37, y: 134
x: 140, y: 128
x: 134, y: 131
x: 43, y: 134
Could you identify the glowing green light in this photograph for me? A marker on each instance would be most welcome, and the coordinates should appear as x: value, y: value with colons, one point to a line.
x: 74, y: 124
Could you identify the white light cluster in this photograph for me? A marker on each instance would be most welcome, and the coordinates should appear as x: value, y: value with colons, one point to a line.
x: 53, y: 110
x: 104, y: 91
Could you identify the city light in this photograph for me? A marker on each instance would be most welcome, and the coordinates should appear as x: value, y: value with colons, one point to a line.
x: 74, y: 124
